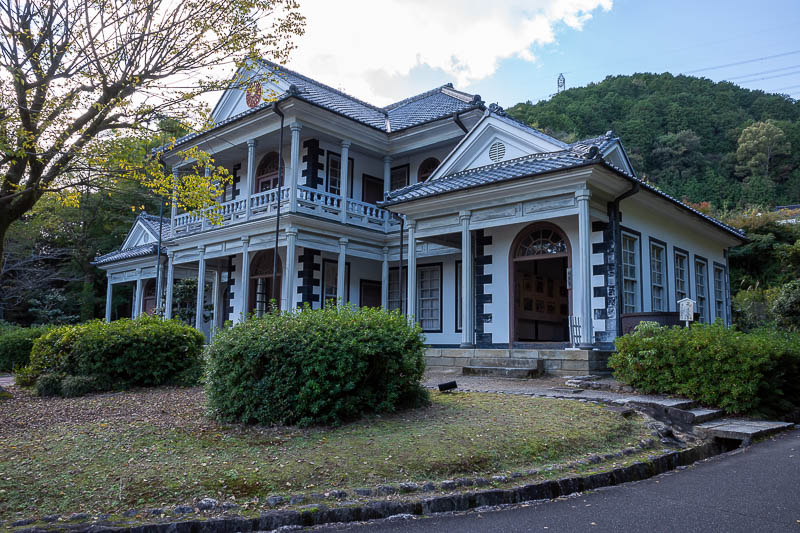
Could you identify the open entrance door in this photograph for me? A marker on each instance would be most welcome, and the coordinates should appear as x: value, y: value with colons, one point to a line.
x: 540, y: 306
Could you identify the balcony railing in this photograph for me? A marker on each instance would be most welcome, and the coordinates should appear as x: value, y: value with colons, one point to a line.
x: 309, y: 201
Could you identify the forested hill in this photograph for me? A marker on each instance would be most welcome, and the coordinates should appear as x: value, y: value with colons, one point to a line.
x: 691, y: 137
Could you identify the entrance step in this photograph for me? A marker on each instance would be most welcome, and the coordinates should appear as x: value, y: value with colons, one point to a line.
x: 741, y: 428
x: 705, y: 415
x: 506, y: 362
x: 500, y: 372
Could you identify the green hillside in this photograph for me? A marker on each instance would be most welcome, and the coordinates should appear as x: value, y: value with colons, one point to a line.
x: 691, y: 137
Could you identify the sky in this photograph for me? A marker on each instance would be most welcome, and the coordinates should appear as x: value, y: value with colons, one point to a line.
x: 510, y: 51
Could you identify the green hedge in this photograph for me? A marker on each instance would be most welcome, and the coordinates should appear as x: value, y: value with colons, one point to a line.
x: 122, y: 354
x: 321, y: 366
x: 756, y: 372
x: 15, y: 345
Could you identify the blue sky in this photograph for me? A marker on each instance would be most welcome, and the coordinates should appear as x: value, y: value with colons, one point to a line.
x: 510, y: 51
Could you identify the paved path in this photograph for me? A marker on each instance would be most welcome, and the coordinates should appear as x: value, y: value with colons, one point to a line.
x: 757, y: 489
x: 6, y: 380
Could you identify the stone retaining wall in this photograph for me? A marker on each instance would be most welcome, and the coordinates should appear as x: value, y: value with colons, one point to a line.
x: 556, y: 362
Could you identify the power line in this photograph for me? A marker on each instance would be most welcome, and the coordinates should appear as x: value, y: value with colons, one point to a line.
x: 785, y: 88
x: 772, y: 77
x: 742, y: 62
x: 762, y: 72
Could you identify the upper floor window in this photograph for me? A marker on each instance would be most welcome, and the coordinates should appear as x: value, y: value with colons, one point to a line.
x: 399, y: 177
x: 426, y: 168
x: 267, y: 173
x: 681, y: 276
x: 658, y: 276
x: 701, y: 288
x: 630, y: 273
x: 334, y: 181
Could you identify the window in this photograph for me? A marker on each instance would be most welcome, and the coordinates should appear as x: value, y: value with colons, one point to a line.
x: 330, y: 279
x: 630, y: 274
x: 397, y: 293
x: 371, y: 189
x: 399, y: 177
x: 681, y: 276
x: 230, y: 188
x: 459, y: 297
x: 658, y: 276
x: 426, y: 168
x: 334, y: 181
x: 429, y: 297
x: 719, y: 292
x: 701, y: 288
x: 266, y: 177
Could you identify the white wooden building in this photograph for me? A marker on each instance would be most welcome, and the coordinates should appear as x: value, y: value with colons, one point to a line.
x: 491, y: 233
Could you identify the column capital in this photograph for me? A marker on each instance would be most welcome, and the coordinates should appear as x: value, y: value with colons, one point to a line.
x: 175, y: 171
x: 251, y: 143
x: 138, y: 271
x: 385, y: 250
x: 411, y: 224
x: 464, y: 215
x: 346, y: 144
x: 343, y: 241
x: 295, y: 126
x: 201, y: 250
x: 246, y: 240
x: 290, y: 232
x: 387, y: 159
x: 583, y: 195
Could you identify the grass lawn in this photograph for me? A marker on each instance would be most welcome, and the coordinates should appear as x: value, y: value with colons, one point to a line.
x: 156, y: 448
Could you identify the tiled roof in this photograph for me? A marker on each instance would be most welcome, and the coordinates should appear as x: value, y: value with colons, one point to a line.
x: 152, y: 222
x: 431, y: 105
x: 131, y: 253
x: 601, y: 142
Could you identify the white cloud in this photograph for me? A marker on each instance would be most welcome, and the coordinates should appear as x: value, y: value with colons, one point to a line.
x: 370, y: 47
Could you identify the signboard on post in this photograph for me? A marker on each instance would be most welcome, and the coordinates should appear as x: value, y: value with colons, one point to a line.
x: 686, y: 309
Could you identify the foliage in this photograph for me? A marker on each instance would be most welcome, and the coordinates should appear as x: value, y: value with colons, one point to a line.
x: 752, y: 308
x: 122, y: 354
x: 74, y: 386
x: 184, y: 301
x: 48, y: 308
x: 691, y: 137
x: 49, y: 385
x: 15, y: 345
x: 756, y: 372
x: 786, y: 306
x: 321, y: 366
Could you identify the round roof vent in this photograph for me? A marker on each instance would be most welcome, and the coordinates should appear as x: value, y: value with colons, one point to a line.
x: 497, y: 151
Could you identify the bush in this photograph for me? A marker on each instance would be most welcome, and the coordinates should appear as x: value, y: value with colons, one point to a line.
x: 714, y: 365
x: 15, y: 345
x: 786, y: 306
x: 49, y: 384
x: 72, y: 386
x: 118, y: 355
x: 320, y: 366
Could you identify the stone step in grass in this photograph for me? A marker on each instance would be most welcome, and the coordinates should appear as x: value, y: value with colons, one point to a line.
x: 701, y: 415
x: 742, y: 428
x: 500, y: 372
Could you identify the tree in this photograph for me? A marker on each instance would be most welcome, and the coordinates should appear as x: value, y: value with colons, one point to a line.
x: 77, y: 76
x: 757, y: 147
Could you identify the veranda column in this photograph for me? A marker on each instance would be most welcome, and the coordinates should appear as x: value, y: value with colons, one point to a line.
x: 412, y: 269
x: 109, y: 291
x: 173, y: 206
x: 295, y: 158
x: 245, y: 286
x: 341, y: 290
x: 170, y: 283
x: 251, y: 175
x: 387, y: 175
x: 344, y: 180
x: 201, y: 288
x: 216, y: 299
x: 385, y: 279
x: 584, y: 234
x: 137, y: 297
x: 467, y: 285
x: 290, y: 267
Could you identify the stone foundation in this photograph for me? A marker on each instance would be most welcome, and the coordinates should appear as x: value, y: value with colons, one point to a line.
x: 556, y: 362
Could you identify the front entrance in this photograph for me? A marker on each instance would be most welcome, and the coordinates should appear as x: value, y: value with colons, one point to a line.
x: 540, y: 263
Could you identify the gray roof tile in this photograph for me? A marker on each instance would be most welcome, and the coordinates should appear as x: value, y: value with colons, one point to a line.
x: 131, y: 253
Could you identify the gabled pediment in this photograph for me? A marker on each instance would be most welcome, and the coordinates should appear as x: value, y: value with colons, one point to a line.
x: 615, y: 155
x: 234, y: 100
x: 139, y: 234
x: 495, y: 139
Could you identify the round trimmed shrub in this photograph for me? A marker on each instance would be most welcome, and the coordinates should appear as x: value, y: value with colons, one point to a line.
x: 15, y: 345
x: 122, y: 354
x: 322, y: 366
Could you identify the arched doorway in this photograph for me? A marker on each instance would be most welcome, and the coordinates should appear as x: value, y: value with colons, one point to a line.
x: 261, y: 281
x: 539, y: 264
x: 267, y: 173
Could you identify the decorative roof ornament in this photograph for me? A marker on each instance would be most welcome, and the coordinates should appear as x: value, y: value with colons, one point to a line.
x: 497, y: 109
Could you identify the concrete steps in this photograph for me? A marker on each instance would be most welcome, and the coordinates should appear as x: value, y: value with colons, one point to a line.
x: 741, y: 428
x: 701, y: 415
x: 505, y: 362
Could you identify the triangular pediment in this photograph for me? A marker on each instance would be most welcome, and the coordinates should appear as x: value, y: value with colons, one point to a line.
x: 139, y: 235
x: 495, y: 139
x: 234, y: 100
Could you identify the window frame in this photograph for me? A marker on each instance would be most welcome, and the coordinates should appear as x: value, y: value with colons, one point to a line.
x: 438, y: 266
x: 675, y: 253
x: 369, y: 177
x: 638, y: 289
x: 350, y: 173
x: 705, y: 315
x: 335, y: 262
x: 459, y: 300
x: 403, y: 281
x: 723, y: 289
x: 664, y: 276
x: 407, y: 168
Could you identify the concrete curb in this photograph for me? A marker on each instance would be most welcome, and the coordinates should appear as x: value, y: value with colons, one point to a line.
x: 318, y: 514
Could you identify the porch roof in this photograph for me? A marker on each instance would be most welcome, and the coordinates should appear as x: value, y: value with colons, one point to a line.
x: 131, y: 253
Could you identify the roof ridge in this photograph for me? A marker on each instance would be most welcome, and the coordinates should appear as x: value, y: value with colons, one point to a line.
x: 499, y: 164
x: 425, y: 94
x: 325, y: 86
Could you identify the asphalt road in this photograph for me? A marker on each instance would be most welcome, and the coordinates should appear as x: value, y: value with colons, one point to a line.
x: 757, y: 489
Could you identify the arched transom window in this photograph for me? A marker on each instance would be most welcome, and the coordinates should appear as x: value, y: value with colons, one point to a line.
x: 426, y: 168
x: 543, y: 241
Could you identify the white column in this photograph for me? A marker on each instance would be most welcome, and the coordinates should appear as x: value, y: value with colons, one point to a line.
x: 245, y: 280
x: 412, y: 269
x: 584, y: 238
x: 290, y: 268
x: 170, y: 283
x: 387, y: 174
x: 385, y: 279
x: 251, y: 174
x: 344, y: 179
x: 216, y: 300
x: 109, y: 291
x: 467, y: 285
x: 201, y: 288
x: 341, y: 290
x: 295, y: 158
x: 173, y: 206
x: 137, y: 297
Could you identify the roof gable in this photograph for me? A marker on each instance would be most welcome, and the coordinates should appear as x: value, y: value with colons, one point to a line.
x: 145, y: 231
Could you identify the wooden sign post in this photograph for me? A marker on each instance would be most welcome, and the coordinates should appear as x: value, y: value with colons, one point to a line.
x: 686, y: 308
